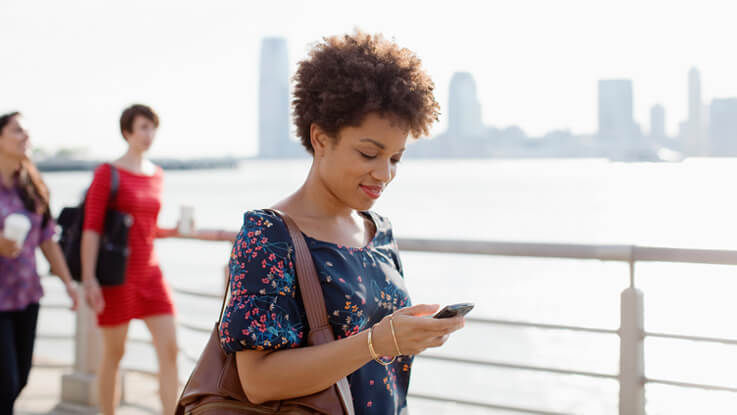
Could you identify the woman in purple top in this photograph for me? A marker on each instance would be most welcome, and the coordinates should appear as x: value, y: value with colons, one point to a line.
x: 22, y: 192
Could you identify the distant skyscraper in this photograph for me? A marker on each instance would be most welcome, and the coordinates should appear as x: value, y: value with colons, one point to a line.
x: 616, y: 121
x: 464, y: 110
x: 273, y: 100
x: 696, y: 143
x: 723, y: 127
x: 657, y: 121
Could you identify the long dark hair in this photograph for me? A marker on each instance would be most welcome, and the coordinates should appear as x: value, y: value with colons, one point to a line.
x: 31, y: 187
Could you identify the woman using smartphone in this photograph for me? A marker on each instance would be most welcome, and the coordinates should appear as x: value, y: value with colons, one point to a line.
x: 144, y: 294
x: 357, y: 99
x: 25, y: 198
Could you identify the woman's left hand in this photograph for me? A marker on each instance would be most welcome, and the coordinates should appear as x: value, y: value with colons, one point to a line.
x: 73, y: 295
x: 192, y: 228
x: 9, y: 248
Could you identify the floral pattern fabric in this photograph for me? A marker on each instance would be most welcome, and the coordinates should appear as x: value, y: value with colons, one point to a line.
x: 360, y: 285
x: 20, y: 285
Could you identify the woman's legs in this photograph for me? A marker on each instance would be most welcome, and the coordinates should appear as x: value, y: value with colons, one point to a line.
x: 25, y: 337
x: 163, y: 333
x: 17, y: 336
x: 8, y: 364
x: 113, y: 341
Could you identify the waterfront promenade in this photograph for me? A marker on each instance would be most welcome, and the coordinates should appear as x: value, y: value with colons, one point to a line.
x: 44, y: 392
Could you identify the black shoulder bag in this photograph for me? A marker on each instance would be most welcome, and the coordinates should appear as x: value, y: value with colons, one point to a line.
x: 114, y: 251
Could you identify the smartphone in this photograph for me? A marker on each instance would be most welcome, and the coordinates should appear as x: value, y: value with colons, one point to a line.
x: 454, y: 310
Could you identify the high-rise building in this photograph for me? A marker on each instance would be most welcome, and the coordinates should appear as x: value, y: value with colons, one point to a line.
x: 616, y: 122
x: 464, y: 110
x: 657, y: 121
x: 696, y: 142
x: 273, y: 100
x: 723, y: 127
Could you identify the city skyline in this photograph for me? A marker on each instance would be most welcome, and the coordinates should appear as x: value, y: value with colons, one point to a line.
x: 618, y: 136
x: 464, y: 108
x: 723, y: 126
x: 615, y: 117
x: 657, y: 121
x: 196, y: 63
x: 274, y: 121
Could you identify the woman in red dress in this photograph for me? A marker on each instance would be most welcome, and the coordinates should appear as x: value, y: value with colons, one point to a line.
x: 144, y: 295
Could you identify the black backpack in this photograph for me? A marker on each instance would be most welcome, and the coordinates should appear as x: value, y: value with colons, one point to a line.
x: 114, y: 251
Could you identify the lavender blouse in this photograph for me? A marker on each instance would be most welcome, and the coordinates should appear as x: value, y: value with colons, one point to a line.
x: 20, y: 284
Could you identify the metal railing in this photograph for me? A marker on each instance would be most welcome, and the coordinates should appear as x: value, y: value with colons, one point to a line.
x: 631, y: 376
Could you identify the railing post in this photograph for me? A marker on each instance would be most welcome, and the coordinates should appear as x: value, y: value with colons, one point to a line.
x: 631, y: 350
x: 79, y: 388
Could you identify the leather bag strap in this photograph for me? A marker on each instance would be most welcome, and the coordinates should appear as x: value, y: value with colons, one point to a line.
x: 114, y: 183
x: 309, y: 284
x: 313, y: 298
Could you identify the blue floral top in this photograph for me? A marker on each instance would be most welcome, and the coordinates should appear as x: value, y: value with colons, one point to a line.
x: 360, y: 285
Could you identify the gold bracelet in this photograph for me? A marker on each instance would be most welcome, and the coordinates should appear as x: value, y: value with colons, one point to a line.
x: 373, y: 353
x: 394, y: 335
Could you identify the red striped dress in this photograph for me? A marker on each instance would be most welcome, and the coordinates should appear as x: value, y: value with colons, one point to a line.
x: 144, y: 292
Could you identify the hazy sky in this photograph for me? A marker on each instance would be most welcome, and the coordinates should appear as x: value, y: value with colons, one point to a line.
x: 71, y: 66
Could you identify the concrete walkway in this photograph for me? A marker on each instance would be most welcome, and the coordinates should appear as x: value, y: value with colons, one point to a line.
x: 41, y: 396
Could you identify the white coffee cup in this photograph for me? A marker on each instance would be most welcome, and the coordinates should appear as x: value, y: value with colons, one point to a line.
x: 186, y: 220
x: 16, y: 228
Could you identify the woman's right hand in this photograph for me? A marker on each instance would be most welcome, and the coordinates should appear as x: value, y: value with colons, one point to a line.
x: 93, y: 295
x: 8, y: 248
x: 415, y: 331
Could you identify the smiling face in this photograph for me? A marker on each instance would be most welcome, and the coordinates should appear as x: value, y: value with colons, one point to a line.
x: 14, y: 139
x: 357, y: 165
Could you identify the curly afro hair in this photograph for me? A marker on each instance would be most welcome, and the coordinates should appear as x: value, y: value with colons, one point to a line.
x: 344, y: 78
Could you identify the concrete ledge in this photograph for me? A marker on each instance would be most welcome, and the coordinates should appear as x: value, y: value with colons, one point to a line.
x: 79, y: 389
x: 43, y: 394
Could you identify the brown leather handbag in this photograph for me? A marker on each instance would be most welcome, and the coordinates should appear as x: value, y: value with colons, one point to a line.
x: 214, y: 386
